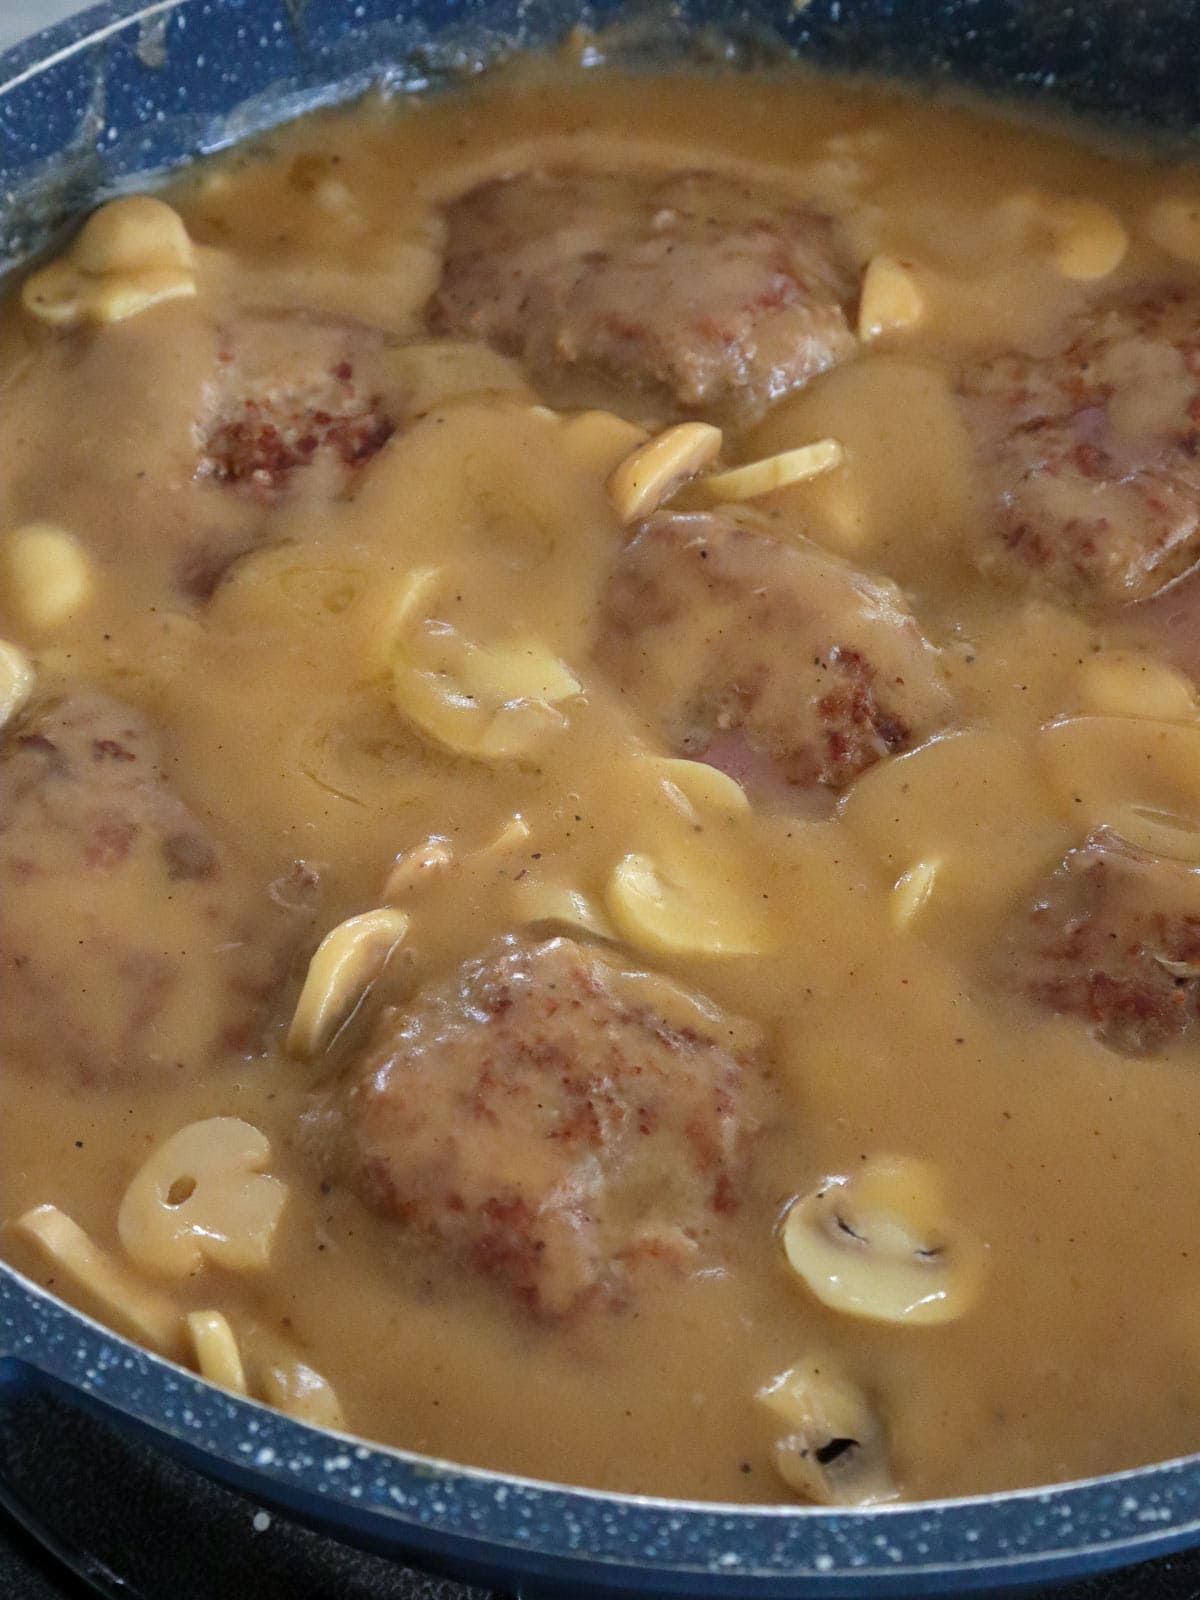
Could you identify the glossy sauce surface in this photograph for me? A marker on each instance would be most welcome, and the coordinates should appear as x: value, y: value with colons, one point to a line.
x: 273, y: 702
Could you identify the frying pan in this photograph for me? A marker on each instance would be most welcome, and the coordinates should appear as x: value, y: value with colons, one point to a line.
x: 131, y: 88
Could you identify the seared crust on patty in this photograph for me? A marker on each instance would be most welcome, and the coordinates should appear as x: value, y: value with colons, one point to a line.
x: 555, y: 1121
x: 690, y: 290
x: 105, y: 877
x: 1113, y: 938
x: 293, y: 391
x: 1093, y: 451
x: 767, y: 658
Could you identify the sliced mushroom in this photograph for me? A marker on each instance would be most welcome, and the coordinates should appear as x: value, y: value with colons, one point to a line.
x: 130, y: 255
x: 47, y: 576
x: 16, y: 681
x: 203, y: 1196
x: 1087, y: 241
x: 652, y: 473
x: 911, y: 891
x: 776, y: 472
x: 148, y: 1315
x: 1083, y: 239
x: 877, y: 1245
x: 1137, y: 777
x: 491, y: 702
x: 685, y: 907
x: 834, y: 1451
x: 514, y: 833
x: 1128, y: 683
x: 216, y: 1350
x: 557, y: 905
x: 347, y: 962
x: 442, y: 371
x: 132, y: 233
x: 431, y: 861
x: 295, y: 1387
x: 600, y: 440
x: 1173, y: 223
x: 892, y: 298
x: 699, y: 790
x: 414, y: 869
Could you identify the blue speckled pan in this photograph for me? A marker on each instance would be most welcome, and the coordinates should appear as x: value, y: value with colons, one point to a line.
x: 132, y: 87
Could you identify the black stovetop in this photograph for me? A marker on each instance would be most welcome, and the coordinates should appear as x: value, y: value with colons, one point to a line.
x: 85, y: 1511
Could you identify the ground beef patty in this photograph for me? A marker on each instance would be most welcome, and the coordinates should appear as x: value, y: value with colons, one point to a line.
x: 555, y: 1122
x: 105, y: 875
x: 294, y: 391
x: 296, y: 406
x: 690, y: 290
x: 1113, y: 937
x: 1093, y: 451
x: 769, y: 659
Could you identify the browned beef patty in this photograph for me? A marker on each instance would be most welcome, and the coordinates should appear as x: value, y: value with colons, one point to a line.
x: 556, y: 1122
x: 105, y: 876
x: 767, y: 658
x: 292, y: 392
x: 690, y: 290
x: 1093, y: 451
x: 1113, y: 938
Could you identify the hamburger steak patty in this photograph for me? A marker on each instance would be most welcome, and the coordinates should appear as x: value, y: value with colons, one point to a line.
x: 106, y: 876
x: 556, y: 1121
x: 1113, y: 938
x: 701, y: 293
x: 293, y: 391
x: 1093, y: 451
x: 769, y: 659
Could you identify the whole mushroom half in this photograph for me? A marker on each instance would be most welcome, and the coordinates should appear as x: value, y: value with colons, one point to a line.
x: 878, y: 1245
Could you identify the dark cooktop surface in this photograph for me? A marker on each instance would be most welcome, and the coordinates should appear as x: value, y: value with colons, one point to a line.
x: 85, y: 1511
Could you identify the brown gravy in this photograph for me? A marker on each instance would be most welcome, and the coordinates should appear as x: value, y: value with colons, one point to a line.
x: 242, y: 597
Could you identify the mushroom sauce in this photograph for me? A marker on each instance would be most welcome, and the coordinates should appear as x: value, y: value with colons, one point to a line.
x: 599, y: 791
